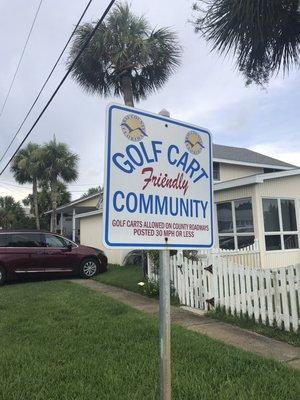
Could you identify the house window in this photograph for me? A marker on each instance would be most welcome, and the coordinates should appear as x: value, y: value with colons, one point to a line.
x: 235, y: 224
x: 216, y: 171
x: 281, y: 231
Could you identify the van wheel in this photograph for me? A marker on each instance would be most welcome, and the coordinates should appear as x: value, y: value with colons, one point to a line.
x: 88, y: 268
x: 2, y: 276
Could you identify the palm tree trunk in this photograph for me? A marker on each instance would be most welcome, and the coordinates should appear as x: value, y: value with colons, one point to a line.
x: 35, y: 203
x: 126, y: 88
x: 54, y: 195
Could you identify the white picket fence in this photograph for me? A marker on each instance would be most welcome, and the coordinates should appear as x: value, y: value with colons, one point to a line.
x: 248, y: 256
x: 268, y: 295
x: 190, y: 281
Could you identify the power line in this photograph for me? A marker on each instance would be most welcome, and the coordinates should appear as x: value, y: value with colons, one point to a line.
x: 21, y: 58
x: 86, y: 43
x: 10, y: 183
x: 23, y: 187
x: 46, y: 81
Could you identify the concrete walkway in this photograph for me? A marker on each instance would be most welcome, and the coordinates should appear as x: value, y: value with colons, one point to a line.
x: 233, y: 335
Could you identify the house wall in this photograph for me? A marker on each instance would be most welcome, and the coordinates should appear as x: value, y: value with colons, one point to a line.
x: 288, y: 187
x: 91, y: 235
x: 89, y: 202
x: 231, y: 171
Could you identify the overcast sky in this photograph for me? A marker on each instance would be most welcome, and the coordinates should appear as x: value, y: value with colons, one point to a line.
x: 206, y: 90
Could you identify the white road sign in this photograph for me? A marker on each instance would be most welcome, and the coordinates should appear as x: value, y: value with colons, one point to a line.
x: 158, y: 182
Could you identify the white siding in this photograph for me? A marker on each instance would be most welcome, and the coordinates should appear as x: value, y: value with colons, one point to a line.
x: 231, y: 171
x: 89, y: 202
x: 91, y: 235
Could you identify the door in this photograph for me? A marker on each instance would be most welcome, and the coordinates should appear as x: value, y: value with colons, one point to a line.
x: 58, y: 257
x: 24, y: 253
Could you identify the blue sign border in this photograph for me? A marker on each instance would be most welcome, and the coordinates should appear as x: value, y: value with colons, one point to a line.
x: 107, y: 183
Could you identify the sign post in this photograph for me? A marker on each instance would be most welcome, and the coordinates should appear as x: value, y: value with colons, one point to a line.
x: 164, y: 316
x: 157, y: 195
x: 164, y: 324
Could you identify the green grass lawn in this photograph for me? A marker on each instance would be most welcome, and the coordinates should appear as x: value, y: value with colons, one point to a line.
x: 128, y: 278
x: 61, y: 341
x: 246, y: 323
x: 124, y: 277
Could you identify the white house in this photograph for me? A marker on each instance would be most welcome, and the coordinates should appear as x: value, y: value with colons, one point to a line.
x: 255, y: 196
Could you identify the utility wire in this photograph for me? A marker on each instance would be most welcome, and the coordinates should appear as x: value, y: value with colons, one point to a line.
x: 21, y: 58
x: 12, y: 183
x: 45, y: 83
x: 86, y: 43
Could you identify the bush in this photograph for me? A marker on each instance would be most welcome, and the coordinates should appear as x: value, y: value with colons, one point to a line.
x: 150, y: 288
x: 154, y: 260
x: 134, y: 257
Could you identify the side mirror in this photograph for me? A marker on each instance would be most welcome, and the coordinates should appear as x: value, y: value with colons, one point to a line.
x: 69, y: 247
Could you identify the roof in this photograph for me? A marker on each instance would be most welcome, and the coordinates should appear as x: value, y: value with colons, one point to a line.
x: 254, y: 179
x: 75, y: 202
x: 89, y: 214
x: 240, y: 155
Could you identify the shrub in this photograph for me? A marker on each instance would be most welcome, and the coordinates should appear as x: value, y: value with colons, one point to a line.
x: 150, y: 288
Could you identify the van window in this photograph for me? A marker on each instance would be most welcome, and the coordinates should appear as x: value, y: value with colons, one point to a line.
x: 24, y: 240
x: 55, y: 241
x: 3, y: 241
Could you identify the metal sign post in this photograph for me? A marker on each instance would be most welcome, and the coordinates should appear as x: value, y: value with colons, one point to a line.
x: 164, y: 323
x: 164, y: 316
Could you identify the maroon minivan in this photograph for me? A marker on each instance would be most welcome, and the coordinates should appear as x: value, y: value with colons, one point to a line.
x: 36, y: 252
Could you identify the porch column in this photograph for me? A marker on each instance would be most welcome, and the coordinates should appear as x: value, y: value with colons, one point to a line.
x: 73, y: 226
x: 61, y: 223
x: 258, y: 221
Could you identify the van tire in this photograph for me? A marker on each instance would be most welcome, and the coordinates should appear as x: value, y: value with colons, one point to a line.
x: 2, y: 275
x: 89, y: 268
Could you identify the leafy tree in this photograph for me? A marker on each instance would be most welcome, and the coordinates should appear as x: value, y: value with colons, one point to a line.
x: 264, y: 35
x: 126, y: 57
x: 12, y: 214
x: 91, y: 191
x: 27, y: 168
x: 44, y: 201
x: 60, y: 165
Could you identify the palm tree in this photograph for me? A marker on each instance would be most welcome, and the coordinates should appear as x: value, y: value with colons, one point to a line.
x: 44, y: 200
x: 60, y: 165
x: 91, y: 191
x: 27, y: 168
x: 263, y: 34
x: 126, y: 57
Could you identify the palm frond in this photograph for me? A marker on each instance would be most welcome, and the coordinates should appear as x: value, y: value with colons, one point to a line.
x: 59, y: 162
x: 263, y: 35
